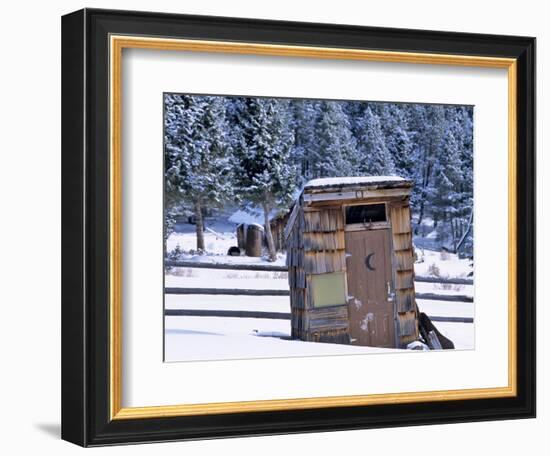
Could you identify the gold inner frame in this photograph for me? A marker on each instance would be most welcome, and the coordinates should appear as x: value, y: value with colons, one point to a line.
x: 117, y: 44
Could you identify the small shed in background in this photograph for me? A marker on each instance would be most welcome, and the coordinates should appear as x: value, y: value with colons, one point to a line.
x: 278, y: 224
x: 350, y: 262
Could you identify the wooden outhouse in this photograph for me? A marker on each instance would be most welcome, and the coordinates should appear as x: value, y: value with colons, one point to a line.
x: 350, y: 262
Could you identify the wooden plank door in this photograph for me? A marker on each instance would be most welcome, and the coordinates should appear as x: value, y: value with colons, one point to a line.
x: 369, y: 272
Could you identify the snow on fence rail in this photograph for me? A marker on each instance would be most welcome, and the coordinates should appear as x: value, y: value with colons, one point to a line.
x: 281, y: 268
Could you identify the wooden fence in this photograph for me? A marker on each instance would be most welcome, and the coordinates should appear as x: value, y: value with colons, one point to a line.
x: 280, y: 268
x: 273, y: 315
x: 267, y: 292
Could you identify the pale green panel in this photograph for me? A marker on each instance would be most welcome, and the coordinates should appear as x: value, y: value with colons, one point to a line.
x: 329, y: 289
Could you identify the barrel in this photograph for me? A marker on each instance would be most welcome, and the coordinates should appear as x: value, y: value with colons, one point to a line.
x: 254, y: 236
x: 241, y: 236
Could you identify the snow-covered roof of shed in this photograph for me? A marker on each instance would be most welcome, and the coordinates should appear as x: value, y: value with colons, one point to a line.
x: 358, y: 181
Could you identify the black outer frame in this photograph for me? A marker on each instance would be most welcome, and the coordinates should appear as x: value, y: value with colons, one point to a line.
x: 85, y: 227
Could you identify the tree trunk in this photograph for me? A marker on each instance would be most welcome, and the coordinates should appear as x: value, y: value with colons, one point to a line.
x: 268, y: 235
x: 423, y: 192
x: 454, y: 232
x: 199, y: 227
x: 465, y: 235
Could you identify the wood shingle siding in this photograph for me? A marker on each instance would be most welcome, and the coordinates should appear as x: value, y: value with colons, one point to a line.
x: 404, y: 260
x: 325, y: 261
x: 400, y: 219
x: 402, y: 241
x: 333, y: 336
x: 319, y: 241
x: 404, y: 299
x: 407, y: 326
x: 405, y: 304
x: 327, y: 318
x: 404, y: 280
x: 322, y: 220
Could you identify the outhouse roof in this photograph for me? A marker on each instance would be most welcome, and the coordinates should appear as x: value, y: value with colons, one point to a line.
x: 346, y: 189
x: 366, y: 182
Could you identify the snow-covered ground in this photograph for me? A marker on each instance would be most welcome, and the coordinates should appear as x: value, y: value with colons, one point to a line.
x: 214, y: 338
x: 443, y: 263
x: 221, y: 278
x: 219, y: 236
x: 208, y: 338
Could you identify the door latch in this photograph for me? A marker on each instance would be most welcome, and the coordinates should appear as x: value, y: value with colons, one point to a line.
x: 391, y: 295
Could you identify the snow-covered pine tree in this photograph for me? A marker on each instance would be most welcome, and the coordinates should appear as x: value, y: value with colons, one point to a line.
x: 304, y: 121
x: 394, y: 125
x: 447, y: 195
x: 198, y: 158
x: 336, y: 151
x: 429, y: 125
x: 373, y: 157
x: 265, y: 174
x: 355, y: 111
x: 461, y: 125
x: 177, y: 121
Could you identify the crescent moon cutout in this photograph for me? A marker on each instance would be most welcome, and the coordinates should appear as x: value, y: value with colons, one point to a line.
x: 368, y: 262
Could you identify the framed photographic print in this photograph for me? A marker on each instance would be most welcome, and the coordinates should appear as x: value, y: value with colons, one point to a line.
x: 279, y: 227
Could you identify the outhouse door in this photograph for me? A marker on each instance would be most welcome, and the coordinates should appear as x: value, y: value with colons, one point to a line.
x: 369, y: 278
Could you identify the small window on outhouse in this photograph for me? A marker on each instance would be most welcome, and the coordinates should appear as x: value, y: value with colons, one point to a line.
x: 366, y: 213
x: 329, y: 289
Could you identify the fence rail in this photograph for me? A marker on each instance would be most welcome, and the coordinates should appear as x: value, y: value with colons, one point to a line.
x: 452, y: 319
x: 226, y: 291
x: 444, y: 280
x: 265, y: 292
x: 273, y: 315
x: 281, y: 268
x: 227, y: 313
x: 236, y: 267
x: 444, y: 297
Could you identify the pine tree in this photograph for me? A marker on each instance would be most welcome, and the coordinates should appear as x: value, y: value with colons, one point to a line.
x: 265, y: 174
x: 355, y: 111
x: 177, y: 121
x: 304, y: 121
x: 447, y: 193
x: 373, y: 157
x: 197, y: 155
x: 429, y: 125
x: 394, y: 125
x: 336, y: 151
x: 461, y: 125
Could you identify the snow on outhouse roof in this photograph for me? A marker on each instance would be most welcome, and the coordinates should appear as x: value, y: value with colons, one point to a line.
x: 358, y: 181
